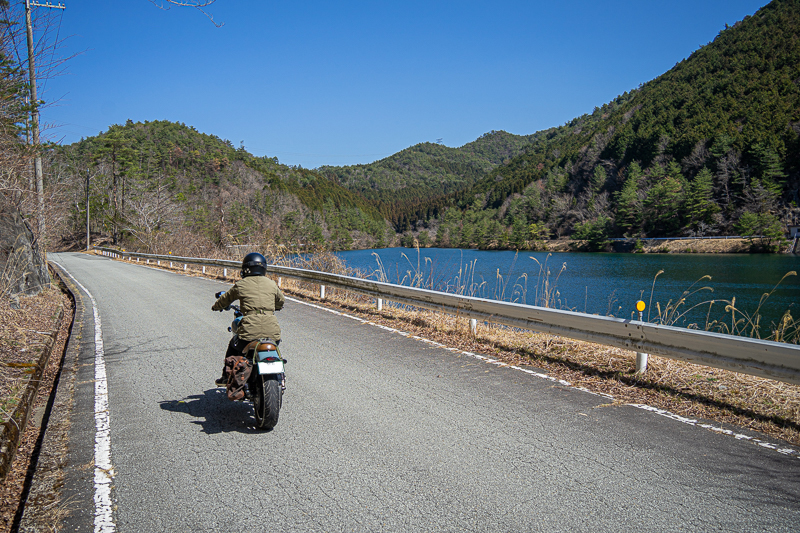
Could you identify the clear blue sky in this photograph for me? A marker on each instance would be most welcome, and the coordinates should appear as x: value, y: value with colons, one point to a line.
x: 348, y: 82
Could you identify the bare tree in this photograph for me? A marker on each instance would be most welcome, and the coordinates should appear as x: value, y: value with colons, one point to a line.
x: 199, y: 5
x: 31, y: 41
x: 151, y: 213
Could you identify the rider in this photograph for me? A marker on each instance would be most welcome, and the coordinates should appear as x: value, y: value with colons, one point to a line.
x: 259, y: 297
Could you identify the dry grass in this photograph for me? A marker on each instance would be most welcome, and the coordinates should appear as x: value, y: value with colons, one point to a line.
x: 768, y: 406
x: 697, y: 246
x: 675, y: 246
x: 20, y: 334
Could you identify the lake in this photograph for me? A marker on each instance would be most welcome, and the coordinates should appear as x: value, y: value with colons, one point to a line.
x: 599, y: 283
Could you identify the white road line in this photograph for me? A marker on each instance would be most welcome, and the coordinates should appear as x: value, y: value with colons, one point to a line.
x: 103, y: 468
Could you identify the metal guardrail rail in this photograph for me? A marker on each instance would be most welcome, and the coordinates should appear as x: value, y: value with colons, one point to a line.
x: 769, y: 359
x: 724, y: 237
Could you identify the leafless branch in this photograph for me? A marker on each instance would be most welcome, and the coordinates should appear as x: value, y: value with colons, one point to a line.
x: 197, y: 4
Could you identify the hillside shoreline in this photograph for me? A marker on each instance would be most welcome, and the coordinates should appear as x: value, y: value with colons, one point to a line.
x: 682, y: 246
x: 662, y: 246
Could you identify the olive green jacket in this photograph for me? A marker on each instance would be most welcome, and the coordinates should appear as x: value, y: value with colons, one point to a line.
x: 259, y: 297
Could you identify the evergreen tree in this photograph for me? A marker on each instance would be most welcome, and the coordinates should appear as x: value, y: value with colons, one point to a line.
x: 599, y: 177
x: 629, y: 207
x: 662, y: 207
x: 594, y: 232
x: 700, y: 205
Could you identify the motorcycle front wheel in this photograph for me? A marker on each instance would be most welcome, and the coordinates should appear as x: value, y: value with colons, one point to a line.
x: 267, y: 402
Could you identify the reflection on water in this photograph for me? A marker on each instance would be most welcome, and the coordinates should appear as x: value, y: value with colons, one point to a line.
x: 598, y: 283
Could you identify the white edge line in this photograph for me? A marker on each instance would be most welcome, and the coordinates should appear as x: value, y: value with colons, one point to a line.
x: 103, y: 468
x: 791, y: 452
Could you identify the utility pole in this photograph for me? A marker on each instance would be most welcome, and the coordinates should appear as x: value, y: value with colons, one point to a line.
x: 88, y: 234
x: 37, y: 159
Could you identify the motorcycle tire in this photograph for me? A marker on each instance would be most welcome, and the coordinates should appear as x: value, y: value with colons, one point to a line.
x: 267, y: 402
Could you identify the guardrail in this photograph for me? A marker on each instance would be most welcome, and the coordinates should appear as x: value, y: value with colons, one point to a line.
x: 725, y: 237
x: 774, y: 360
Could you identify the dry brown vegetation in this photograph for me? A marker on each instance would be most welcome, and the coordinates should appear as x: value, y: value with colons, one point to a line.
x: 22, y: 334
x: 21, y: 331
x: 666, y: 246
x: 698, y: 246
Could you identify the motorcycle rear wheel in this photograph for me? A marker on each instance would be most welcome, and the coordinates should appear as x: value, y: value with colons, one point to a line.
x: 267, y: 402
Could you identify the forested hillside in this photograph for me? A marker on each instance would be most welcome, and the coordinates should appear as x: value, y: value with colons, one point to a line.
x: 157, y: 181
x: 416, y: 182
x: 710, y: 147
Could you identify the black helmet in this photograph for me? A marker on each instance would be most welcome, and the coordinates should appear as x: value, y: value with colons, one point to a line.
x: 254, y: 264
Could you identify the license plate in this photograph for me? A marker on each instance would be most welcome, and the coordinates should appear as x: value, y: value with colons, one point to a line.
x: 270, y: 368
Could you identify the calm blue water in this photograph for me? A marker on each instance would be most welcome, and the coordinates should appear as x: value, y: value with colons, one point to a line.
x: 600, y: 283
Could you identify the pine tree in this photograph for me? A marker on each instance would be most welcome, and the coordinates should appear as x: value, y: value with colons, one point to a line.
x: 700, y: 206
x: 662, y: 207
x: 629, y: 207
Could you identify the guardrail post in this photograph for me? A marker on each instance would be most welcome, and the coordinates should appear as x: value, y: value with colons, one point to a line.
x: 184, y: 266
x: 224, y: 272
x: 380, y: 304
x: 322, y: 292
x: 473, y: 325
x: 170, y: 264
x: 641, y: 358
x: 279, y: 281
x: 204, y: 269
x: 159, y: 263
x: 641, y: 363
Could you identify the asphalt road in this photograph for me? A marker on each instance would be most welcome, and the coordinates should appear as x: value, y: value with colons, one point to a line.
x: 380, y: 432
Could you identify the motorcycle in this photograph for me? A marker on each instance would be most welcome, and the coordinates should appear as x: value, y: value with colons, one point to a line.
x: 267, y: 381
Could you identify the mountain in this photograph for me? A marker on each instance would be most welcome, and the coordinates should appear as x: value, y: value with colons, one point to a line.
x: 155, y: 182
x: 429, y: 171
x: 710, y: 147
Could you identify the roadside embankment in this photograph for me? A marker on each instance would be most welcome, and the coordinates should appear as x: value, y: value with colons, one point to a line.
x: 31, y: 344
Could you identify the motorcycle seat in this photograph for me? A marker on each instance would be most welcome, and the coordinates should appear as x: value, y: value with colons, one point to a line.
x: 261, y: 345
